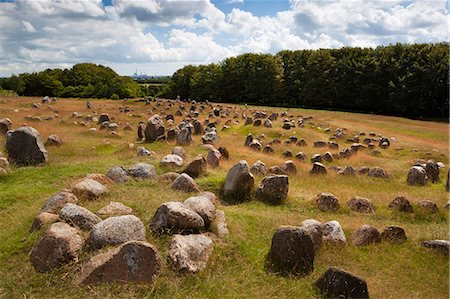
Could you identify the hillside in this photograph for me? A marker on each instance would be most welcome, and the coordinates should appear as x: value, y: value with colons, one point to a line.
x: 236, y: 268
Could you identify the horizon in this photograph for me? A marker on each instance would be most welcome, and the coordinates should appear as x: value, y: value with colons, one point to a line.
x: 159, y: 37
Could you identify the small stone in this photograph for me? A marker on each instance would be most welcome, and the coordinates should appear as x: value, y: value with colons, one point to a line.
x: 428, y: 205
x: 401, y: 204
x: 171, y: 161
x: 273, y: 189
x: 114, y: 209
x: 142, y: 171
x: 393, y: 235
x: 361, y: 205
x: 365, y: 235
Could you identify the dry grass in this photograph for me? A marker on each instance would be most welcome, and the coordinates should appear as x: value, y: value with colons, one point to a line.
x: 236, y: 268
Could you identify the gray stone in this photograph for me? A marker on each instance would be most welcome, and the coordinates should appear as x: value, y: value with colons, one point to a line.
x: 25, y: 147
x: 189, y: 253
x: 238, y: 183
x: 155, y: 129
x: 118, y: 174
x: 76, y: 215
x: 333, y: 233
x: 53, y: 140
x: 327, y: 202
x: 57, y: 201
x: 142, y: 171
x: 172, y: 161
x: 314, y: 229
x: 196, y: 167
x: 417, y: 176
x: 365, y: 235
x: 89, y: 189
x: 273, y: 189
x: 360, y: 204
x: 114, y: 209
x: 185, y: 183
x: 203, y: 206
x: 213, y: 158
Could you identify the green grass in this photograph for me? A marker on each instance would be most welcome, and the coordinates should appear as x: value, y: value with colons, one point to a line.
x: 236, y: 267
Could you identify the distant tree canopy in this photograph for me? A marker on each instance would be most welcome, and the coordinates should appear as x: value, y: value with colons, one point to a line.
x: 84, y: 80
x: 405, y: 80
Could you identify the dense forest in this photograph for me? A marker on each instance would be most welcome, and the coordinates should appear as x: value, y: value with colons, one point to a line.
x: 406, y: 80
x: 84, y: 80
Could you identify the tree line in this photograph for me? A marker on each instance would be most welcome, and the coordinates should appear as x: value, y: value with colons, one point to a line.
x: 401, y: 79
x: 84, y: 80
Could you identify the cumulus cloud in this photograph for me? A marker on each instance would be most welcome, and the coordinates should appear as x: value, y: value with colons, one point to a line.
x: 166, y: 34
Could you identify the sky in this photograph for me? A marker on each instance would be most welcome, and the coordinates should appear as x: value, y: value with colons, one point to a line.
x: 157, y: 37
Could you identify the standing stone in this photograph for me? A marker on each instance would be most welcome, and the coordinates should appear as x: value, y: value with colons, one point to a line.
x: 5, y: 125
x: 134, y: 261
x: 289, y: 167
x: 393, y: 235
x: 184, y: 137
x: 185, y: 183
x: 25, y: 147
x: 53, y: 140
x: 210, y: 137
x: 238, y: 183
x: 417, y: 176
x: 104, y: 117
x: 58, y: 246
x: 318, y: 168
x: 333, y: 233
x: 432, y: 170
x: 365, y: 235
x: 314, y: 229
x: 189, y: 253
x: 174, y: 217
x: 327, y: 202
x: 154, y: 129
x: 213, y: 158
x: 78, y: 216
x: 291, y: 252
x: 140, y: 131
x: 224, y: 152
x: 258, y: 168
x: 337, y: 283
x: 196, y: 167
x: 248, y: 140
x: 273, y: 189
x: 116, y: 230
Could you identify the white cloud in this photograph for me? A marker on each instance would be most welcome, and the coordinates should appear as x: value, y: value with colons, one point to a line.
x: 159, y: 33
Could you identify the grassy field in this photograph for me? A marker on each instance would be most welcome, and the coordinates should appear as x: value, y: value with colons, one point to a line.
x: 236, y: 267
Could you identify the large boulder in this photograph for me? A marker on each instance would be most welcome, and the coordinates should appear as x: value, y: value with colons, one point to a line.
x: 432, y: 170
x: 291, y: 252
x: 258, y: 168
x: 57, y: 201
x: 327, y: 202
x: 78, y: 216
x: 58, y: 246
x: 116, y: 230
x: 189, y: 253
x: 89, y: 189
x: 333, y: 233
x: 213, y: 158
x: 365, y: 235
x: 185, y: 183
x: 133, y: 261
x: 318, y: 168
x: 196, y: 167
x: 174, y: 217
x: 238, y: 183
x: 210, y: 137
x: 203, y: 206
x: 360, y: 204
x: 184, y: 137
x: 25, y: 147
x: 142, y: 171
x: 417, y: 176
x: 337, y: 283
x: 154, y: 129
x: 273, y: 189
x: 393, y: 235
x: 118, y: 174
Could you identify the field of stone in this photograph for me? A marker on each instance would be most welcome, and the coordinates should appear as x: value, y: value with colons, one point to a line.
x: 372, y: 189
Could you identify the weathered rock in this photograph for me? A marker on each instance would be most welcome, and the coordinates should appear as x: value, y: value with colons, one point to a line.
x: 118, y: 174
x: 43, y: 219
x: 327, y: 202
x: 401, y: 204
x: 189, y: 253
x: 327, y: 157
x: 116, y: 230
x: 442, y: 246
x: 314, y: 229
x: 213, y: 158
x: 58, y: 246
x: 53, y: 140
x: 365, y: 235
x: 142, y: 171
x: 255, y: 145
x: 291, y: 252
x: 273, y: 189
x: 238, y: 183
x: 337, y: 283
x: 5, y: 125
x: 184, y: 137
x: 333, y: 233
x: 348, y: 171
x: 289, y: 168
x: 154, y: 129
x: 168, y: 177
x: 203, y: 206
x: 133, y: 261
x: 210, y: 137
x: 89, y: 189
x: 378, y: 172
x: 219, y: 225
x: 196, y: 167
x: 224, y: 152
x: 248, y: 139
x: 393, y: 235
x: 360, y: 204
x: 185, y: 183
x: 114, y: 209
x: 171, y: 161
x: 104, y: 117
x: 316, y: 158
x: 101, y: 178
x: 432, y: 170
x: 76, y: 215
x: 417, y: 176
x: 57, y: 201
x: 143, y: 152
x: 174, y: 217
x: 318, y: 168
x: 25, y: 147
x: 258, y: 168
x: 428, y: 206
x: 179, y: 150
x: 268, y: 123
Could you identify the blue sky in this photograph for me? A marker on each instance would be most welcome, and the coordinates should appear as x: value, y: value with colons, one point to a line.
x: 159, y: 36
